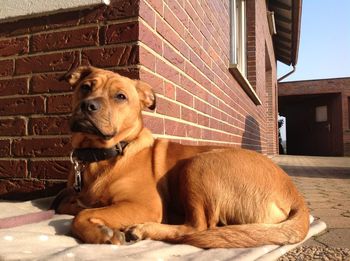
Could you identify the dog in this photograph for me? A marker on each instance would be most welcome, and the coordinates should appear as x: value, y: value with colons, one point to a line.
x: 128, y: 186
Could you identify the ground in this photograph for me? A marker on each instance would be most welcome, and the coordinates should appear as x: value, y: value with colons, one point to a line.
x: 325, y: 184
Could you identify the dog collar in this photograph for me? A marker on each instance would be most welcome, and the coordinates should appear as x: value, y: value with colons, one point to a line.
x: 89, y: 155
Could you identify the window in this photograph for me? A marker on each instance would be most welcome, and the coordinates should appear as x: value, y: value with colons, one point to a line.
x: 321, y: 114
x: 239, y: 35
x: 238, y: 49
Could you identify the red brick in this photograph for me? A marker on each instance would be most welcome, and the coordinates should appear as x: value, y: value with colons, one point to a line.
x: 59, y: 103
x: 156, y: 125
x: 147, y: 59
x: 20, y: 189
x: 167, y: 71
x: 203, y: 120
x: 13, y: 86
x: 22, y: 105
x: 50, y: 169
x: 168, y: 108
x: 149, y: 38
x: 132, y: 73
x: 12, y: 127
x: 15, y: 46
x: 189, y: 115
x: 64, y: 40
x: 147, y: 13
x: 47, y: 63
x: 169, y: 90
x: 48, y: 125
x: 178, y: 11
x: 173, y: 57
x: 157, y: 5
x: 153, y: 80
x: 6, y: 67
x: 120, y: 33
x: 175, y: 128
x: 41, y: 147
x: 4, y: 148
x: 184, y: 97
x: 48, y: 83
x: 174, y: 22
x: 109, y: 57
x: 193, y: 132
x: 13, y: 169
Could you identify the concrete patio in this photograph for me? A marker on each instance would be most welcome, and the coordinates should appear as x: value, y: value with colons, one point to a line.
x: 325, y: 184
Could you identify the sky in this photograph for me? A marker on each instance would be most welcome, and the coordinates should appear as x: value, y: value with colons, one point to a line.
x: 324, y: 48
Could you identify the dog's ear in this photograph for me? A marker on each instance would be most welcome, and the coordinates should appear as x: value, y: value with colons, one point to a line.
x: 74, y: 76
x: 146, y: 94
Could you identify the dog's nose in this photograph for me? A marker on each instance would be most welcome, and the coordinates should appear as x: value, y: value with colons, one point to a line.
x: 90, y: 106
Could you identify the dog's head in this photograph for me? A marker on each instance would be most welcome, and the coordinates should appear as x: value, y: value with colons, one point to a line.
x: 106, y: 107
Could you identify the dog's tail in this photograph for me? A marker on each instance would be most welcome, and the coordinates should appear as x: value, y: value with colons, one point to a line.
x: 290, y: 231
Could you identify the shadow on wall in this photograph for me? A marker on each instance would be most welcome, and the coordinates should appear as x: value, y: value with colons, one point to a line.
x: 251, y: 135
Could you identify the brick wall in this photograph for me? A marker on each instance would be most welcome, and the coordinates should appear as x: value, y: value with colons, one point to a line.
x: 180, y: 47
x: 325, y: 86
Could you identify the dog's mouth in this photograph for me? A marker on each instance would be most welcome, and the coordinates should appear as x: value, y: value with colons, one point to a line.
x: 86, y: 125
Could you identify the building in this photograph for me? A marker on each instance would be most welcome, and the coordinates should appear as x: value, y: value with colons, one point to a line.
x: 317, y: 115
x: 211, y: 62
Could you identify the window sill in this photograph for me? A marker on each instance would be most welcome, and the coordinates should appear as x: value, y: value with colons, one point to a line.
x: 244, y: 84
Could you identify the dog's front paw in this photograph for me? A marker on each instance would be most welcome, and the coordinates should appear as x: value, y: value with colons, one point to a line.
x: 111, y: 236
x: 135, y: 233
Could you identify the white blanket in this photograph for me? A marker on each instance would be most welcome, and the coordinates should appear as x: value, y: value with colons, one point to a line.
x: 51, y: 240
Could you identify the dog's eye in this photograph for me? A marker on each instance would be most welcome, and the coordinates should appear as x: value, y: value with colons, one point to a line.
x: 120, y: 97
x: 85, y: 88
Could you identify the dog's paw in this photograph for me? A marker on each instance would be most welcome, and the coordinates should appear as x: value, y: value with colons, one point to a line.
x: 111, y: 236
x: 135, y: 233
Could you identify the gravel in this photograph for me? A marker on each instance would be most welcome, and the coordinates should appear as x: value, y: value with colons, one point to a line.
x: 305, y: 253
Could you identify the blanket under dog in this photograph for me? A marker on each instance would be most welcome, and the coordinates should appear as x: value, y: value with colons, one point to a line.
x: 25, y: 237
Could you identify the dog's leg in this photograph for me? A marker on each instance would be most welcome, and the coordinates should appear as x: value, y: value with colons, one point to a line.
x: 103, y: 225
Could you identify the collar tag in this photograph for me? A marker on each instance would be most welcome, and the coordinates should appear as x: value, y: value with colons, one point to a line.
x: 77, y: 174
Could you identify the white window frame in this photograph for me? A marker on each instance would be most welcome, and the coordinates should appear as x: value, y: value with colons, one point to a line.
x: 239, y: 35
x: 238, y: 49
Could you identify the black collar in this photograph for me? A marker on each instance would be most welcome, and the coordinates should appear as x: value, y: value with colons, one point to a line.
x: 89, y: 155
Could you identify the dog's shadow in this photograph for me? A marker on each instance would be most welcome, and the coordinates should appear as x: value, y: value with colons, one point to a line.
x: 62, y: 226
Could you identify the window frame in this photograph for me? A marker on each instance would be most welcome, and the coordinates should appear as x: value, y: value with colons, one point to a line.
x: 238, y: 47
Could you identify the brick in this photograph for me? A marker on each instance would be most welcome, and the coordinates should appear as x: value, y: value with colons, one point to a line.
x: 132, y: 73
x: 13, y: 169
x: 184, y: 97
x: 203, y: 120
x: 193, y: 132
x: 41, y: 147
x: 48, y: 83
x: 175, y: 128
x: 13, y: 86
x: 189, y: 115
x: 147, y: 14
x: 156, y: 125
x: 149, y: 38
x: 168, y: 108
x: 47, y: 63
x: 169, y: 90
x: 15, y: 46
x: 6, y: 68
x: 4, y: 148
x: 147, y: 59
x: 109, y: 57
x: 12, y: 127
x: 49, y: 125
x: 59, y: 103
x: 121, y: 33
x: 153, y: 80
x: 167, y: 71
x: 121, y: 9
x: 157, y: 5
x: 50, y: 169
x: 20, y: 189
x: 64, y: 40
x: 173, y: 57
x: 22, y: 105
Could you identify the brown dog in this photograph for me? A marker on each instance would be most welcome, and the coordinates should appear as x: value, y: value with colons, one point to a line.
x: 199, y: 195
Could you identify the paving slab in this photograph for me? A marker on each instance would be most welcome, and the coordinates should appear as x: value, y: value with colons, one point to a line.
x: 325, y: 184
